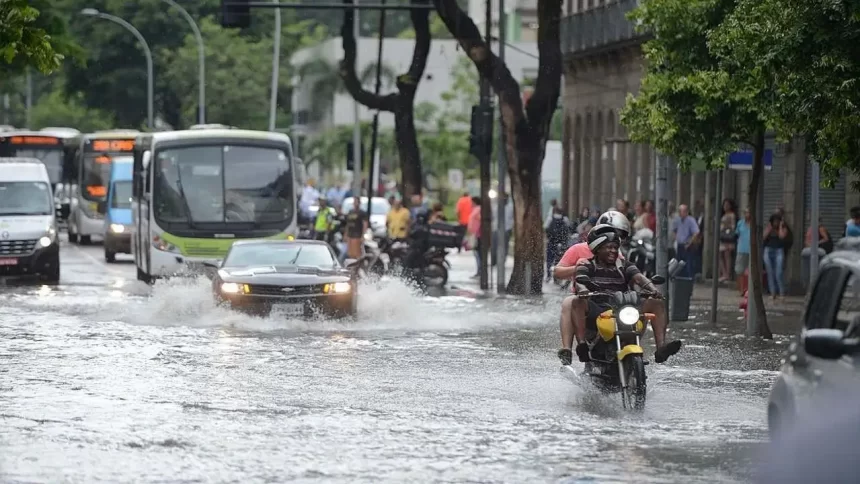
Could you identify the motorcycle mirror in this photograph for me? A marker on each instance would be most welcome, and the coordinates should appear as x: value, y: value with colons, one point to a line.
x: 658, y: 279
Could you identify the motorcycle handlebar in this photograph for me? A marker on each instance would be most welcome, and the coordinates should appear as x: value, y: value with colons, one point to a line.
x: 643, y: 295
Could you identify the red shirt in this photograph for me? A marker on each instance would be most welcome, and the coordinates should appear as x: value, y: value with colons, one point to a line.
x: 575, y: 254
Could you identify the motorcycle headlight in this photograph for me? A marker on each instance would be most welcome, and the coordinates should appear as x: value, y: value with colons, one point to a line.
x: 628, y: 315
x: 640, y: 242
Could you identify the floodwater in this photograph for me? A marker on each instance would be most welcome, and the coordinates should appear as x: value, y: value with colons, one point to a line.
x: 104, y: 379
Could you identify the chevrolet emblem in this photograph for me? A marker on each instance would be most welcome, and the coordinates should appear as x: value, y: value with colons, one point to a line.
x: 287, y: 289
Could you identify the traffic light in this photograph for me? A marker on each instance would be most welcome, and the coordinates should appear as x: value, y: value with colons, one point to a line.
x: 350, y: 159
x: 235, y: 14
x: 481, y: 132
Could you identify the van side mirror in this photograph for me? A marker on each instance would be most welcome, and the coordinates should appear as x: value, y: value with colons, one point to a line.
x: 65, y: 210
x: 828, y: 344
x: 210, y: 265
x: 101, y: 207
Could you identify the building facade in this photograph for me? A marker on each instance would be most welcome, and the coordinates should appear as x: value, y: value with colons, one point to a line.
x: 603, y: 63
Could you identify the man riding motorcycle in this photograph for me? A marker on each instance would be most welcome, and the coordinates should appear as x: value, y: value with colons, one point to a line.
x: 608, y: 272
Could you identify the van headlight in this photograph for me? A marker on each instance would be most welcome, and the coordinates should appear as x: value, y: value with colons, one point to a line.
x: 46, y: 241
x: 628, y: 315
x: 117, y: 228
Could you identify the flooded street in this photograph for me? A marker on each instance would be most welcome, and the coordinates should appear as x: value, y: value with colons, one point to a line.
x: 106, y: 380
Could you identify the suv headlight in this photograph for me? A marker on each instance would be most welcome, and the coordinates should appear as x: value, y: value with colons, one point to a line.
x: 628, y: 315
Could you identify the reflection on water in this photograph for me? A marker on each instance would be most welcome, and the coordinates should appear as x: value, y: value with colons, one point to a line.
x: 116, y: 384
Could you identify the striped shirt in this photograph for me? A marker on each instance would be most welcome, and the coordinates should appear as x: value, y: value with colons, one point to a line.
x: 609, y: 278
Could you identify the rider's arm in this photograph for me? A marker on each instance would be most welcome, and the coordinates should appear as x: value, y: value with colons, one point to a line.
x: 583, y: 268
x: 564, y: 272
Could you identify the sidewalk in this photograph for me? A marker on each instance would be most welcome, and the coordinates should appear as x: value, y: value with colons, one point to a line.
x: 784, y: 317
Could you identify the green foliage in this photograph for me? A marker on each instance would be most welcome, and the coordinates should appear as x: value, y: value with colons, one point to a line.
x: 237, y: 89
x: 806, y: 53
x: 691, y: 105
x: 30, y: 36
x: 438, y: 30
x: 55, y: 109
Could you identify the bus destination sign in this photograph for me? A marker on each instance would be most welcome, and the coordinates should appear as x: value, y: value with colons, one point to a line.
x: 112, y: 145
x: 34, y: 140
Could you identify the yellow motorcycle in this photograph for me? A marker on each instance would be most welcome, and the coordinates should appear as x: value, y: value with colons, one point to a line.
x: 617, y: 359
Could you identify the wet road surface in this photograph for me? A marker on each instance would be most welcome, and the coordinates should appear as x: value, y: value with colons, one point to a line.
x: 104, y: 379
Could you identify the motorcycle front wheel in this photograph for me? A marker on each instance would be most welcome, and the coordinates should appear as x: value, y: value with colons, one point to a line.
x: 635, y: 392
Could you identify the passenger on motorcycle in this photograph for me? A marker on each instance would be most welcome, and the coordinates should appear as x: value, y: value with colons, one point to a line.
x: 608, y: 272
x: 419, y: 243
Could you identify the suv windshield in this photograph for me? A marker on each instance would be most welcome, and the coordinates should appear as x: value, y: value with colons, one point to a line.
x: 315, y: 255
x: 121, y: 197
x: 222, y: 184
x: 25, y: 198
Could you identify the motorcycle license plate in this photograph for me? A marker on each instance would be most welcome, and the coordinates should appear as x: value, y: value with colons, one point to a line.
x: 289, y: 309
x: 8, y: 261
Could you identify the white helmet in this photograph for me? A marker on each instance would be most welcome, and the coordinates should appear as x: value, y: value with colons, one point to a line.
x: 617, y: 220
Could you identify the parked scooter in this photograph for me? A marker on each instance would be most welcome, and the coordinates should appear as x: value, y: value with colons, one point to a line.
x: 643, y: 252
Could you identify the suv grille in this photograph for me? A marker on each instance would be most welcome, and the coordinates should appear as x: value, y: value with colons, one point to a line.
x: 267, y: 290
x: 17, y: 247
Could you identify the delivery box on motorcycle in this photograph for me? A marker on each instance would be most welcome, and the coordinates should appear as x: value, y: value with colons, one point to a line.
x: 446, y: 235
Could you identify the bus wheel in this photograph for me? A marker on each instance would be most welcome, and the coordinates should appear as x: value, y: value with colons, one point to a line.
x: 86, y: 240
x: 73, y: 238
x: 110, y: 256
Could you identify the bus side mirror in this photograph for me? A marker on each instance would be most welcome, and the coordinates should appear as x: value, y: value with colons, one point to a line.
x: 65, y: 209
x: 101, y: 207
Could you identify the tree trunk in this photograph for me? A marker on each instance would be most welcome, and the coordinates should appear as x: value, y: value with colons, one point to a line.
x: 407, y: 148
x: 526, y: 127
x: 756, y: 237
x: 401, y: 103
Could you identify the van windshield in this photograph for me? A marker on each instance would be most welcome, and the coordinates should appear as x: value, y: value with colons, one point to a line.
x: 121, y: 197
x: 25, y: 198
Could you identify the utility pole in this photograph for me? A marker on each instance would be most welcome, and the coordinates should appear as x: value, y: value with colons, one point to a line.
x: 815, y: 188
x: 29, y: 99
x: 486, y: 120
x: 662, y: 195
x: 374, y: 166
x: 276, y: 67
x: 356, y: 130
x: 715, y: 244
x: 501, y: 229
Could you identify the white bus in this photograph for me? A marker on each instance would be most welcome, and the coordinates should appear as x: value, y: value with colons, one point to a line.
x: 92, y: 173
x: 196, y: 191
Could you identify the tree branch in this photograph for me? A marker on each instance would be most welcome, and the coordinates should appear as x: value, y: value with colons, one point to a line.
x: 544, y: 100
x: 488, y: 64
x: 351, y: 81
x: 407, y: 83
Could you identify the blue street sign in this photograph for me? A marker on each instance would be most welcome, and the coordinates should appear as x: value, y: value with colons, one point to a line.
x: 743, y: 160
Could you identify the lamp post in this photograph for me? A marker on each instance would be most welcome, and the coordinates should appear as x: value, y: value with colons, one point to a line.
x: 91, y: 12
x: 201, y: 59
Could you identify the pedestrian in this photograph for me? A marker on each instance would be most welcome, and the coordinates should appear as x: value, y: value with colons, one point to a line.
x: 742, y: 260
x: 774, y: 241
x: 852, y: 225
x: 687, y: 239
x: 356, y: 225
x: 464, y: 210
x: 728, y: 238
x: 474, y: 234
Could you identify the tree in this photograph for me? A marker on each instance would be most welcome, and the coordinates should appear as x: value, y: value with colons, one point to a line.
x: 400, y: 103
x: 327, y: 82
x: 693, y: 106
x: 30, y: 36
x: 526, y: 127
x: 57, y: 109
x: 236, y: 87
x: 807, y: 54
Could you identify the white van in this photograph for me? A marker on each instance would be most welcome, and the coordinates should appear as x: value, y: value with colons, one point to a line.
x: 29, y: 244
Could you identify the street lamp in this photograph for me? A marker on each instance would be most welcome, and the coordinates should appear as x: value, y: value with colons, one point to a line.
x: 91, y: 12
x: 201, y: 57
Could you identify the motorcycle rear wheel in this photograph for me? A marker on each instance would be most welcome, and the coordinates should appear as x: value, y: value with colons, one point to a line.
x: 435, y: 275
x: 636, y: 390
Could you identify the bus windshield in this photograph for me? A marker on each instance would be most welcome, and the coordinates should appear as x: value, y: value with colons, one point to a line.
x: 96, y: 174
x: 25, y: 198
x: 52, y: 157
x: 222, y: 184
x: 121, y: 197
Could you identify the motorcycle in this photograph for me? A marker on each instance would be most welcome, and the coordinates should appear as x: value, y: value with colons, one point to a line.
x: 617, y: 359
x: 430, y: 271
x: 643, y: 252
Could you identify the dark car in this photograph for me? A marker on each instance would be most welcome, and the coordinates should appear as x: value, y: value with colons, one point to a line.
x: 825, y: 358
x: 295, y: 278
